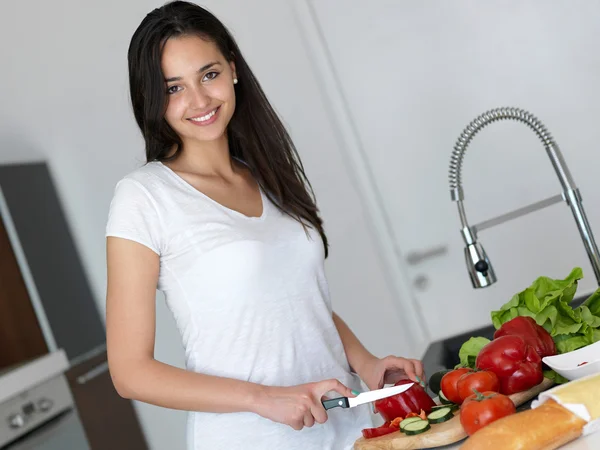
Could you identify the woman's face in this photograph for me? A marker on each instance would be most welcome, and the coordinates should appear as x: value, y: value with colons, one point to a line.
x: 200, y: 89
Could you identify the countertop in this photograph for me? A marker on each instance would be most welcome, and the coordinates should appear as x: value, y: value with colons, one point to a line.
x: 590, y: 442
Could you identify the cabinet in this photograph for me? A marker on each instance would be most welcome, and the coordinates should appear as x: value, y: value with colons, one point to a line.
x: 109, y: 420
x: 21, y: 336
x: 46, y: 303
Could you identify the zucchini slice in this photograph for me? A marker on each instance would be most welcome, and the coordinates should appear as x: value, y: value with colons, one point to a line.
x: 452, y: 406
x: 416, y: 427
x: 407, y: 421
x: 440, y: 415
x: 443, y: 398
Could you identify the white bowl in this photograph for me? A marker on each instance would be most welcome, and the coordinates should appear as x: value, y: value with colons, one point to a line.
x: 566, y: 364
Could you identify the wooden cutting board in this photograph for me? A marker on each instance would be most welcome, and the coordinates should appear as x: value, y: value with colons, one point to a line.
x: 444, y: 433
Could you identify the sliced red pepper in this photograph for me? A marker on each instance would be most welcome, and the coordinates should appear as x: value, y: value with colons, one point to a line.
x: 396, y: 422
x: 414, y: 400
x: 369, y: 433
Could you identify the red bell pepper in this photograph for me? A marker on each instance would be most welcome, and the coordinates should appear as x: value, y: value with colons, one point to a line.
x: 534, y: 335
x: 384, y: 429
x: 515, y: 362
x: 413, y: 400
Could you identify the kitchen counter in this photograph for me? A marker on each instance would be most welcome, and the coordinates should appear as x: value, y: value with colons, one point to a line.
x: 590, y: 442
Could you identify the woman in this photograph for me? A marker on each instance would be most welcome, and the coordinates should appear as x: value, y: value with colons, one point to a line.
x: 223, y: 220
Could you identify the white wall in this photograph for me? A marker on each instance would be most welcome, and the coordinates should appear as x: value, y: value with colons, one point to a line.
x: 64, y: 99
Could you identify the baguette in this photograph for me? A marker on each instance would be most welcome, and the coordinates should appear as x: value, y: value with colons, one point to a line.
x: 544, y: 428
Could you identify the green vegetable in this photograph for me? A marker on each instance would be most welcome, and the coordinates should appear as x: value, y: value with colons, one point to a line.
x: 552, y: 375
x: 547, y: 301
x: 469, y: 350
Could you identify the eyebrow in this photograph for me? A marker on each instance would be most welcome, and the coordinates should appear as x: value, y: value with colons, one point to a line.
x: 202, y: 69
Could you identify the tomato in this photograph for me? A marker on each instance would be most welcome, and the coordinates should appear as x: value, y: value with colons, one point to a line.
x: 414, y: 400
x: 481, y: 380
x: 384, y: 429
x: 479, y: 410
x: 448, y: 384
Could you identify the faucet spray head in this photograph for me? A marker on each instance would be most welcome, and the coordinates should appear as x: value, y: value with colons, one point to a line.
x: 479, y: 266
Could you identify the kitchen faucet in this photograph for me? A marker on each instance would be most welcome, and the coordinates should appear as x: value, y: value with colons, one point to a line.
x: 478, y: 264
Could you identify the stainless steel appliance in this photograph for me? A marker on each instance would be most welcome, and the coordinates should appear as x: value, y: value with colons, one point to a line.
x: 37, y: 410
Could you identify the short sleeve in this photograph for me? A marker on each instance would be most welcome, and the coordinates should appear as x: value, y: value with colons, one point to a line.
x: 133, y: 215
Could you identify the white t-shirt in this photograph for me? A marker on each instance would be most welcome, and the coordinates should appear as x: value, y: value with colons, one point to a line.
x: 250, y: 299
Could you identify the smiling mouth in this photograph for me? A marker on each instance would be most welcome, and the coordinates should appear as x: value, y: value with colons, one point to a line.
x: 206, y: 117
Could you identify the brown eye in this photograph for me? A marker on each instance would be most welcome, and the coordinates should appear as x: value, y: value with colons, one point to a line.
x: 211, y: 76
x: 172, y: 90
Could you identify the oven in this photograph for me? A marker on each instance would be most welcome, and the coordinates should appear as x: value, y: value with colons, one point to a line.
x: 37, y: 410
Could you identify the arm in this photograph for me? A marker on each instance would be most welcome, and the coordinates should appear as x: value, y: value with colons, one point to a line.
x: 376, y: 372
x: 130, y: 325
x: 356, y: 352
x: 130, y: 322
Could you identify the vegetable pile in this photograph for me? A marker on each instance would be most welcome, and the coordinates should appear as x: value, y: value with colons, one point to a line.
x: 537, y: 322
x: 547, y: 304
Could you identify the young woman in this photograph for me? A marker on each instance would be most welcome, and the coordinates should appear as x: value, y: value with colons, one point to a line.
x: 223, y: 220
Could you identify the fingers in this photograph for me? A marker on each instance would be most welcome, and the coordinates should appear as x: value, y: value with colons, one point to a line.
x: 333, y: 385
x: 413, y: 368
x: 309, y: 420
x: 409, y: 368
x: 319, y: 414
x: 420, y: 371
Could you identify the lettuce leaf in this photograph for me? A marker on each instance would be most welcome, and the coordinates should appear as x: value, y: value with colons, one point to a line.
x: 552, y: 375
x: 548, y: 301
x: 469, y: 350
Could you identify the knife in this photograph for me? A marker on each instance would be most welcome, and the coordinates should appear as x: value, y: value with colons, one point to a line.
x: 365, y: 397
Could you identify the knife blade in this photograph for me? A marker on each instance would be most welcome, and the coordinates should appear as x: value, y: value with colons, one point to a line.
x: 365, y: 397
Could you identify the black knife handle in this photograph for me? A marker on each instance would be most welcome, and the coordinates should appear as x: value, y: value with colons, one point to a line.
x: 341, y: 402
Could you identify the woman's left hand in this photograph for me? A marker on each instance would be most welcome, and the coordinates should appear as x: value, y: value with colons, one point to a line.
x: 381, y: 371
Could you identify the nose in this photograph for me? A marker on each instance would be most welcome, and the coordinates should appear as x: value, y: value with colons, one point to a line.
x: 199, y: 98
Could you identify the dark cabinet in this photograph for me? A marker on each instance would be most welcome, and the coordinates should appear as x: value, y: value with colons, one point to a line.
x: 109, y: 420
x: 20, y: 334
x: 46, y: 303
x: 33, y: 205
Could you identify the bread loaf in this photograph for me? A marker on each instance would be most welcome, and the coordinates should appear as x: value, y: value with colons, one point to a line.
x: 544, y: 428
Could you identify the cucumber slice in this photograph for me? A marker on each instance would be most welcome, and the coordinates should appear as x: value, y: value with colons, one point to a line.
x: 443, y: 398
x: 436, y: 407
x: 440, y: 415
x: 407, y: 421
x: 417, y: 427
x: 452, y: 406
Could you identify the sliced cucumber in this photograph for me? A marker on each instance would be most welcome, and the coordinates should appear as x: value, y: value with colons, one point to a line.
x: 443, y: 398
x: 407, y: 421
x: 417, y: 427
x: 440, y: 415
x: 436, y: 407
x: 452, y: 406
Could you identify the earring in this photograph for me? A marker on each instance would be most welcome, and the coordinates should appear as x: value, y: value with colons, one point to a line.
x: 235, y: 81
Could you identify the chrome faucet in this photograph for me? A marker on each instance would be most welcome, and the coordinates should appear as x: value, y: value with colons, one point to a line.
x: 479, y: 266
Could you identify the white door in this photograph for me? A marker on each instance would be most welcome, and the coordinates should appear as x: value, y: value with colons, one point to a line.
x: 403, y: 79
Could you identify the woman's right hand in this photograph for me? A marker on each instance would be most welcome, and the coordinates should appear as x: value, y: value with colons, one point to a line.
x: 298, y: 406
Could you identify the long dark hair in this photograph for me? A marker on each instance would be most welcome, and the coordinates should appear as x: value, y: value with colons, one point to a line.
x: 256, y: 134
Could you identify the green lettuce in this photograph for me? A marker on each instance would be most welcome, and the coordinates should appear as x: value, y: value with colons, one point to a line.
x: 469, y: 350
x: 548, y: 302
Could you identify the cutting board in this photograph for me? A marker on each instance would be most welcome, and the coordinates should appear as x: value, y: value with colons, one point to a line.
x: 444, y: 433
